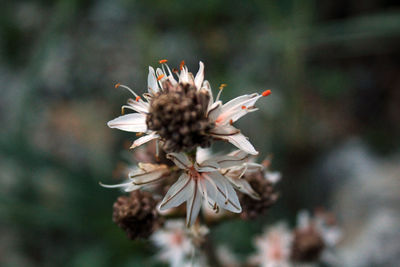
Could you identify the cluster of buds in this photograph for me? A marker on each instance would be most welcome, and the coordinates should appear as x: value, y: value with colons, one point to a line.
x: 182, y: 118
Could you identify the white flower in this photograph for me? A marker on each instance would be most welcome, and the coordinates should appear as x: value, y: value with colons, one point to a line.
x: 203, y: 179
x: 273, y: 247
x: 175, y: 244
x: 222, y: 115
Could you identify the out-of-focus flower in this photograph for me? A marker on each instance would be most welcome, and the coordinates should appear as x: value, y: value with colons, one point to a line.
x: 202, y: 179
x: 182, y: 114
x: 137, y: 214
x: 176, y: 247
x: 273, y: 247
x: 177, y: 243
x: 313, y: 236
x: 226, y: 257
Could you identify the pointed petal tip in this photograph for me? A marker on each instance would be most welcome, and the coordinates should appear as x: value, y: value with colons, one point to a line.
x: 133, y: 146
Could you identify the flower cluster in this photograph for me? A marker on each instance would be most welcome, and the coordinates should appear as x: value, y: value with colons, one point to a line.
x: 181, y: 114
x: 179, y: 118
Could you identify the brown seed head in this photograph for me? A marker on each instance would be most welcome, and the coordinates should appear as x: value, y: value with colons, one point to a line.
x: 178, y: 115
x: 136, y: 214
x: 252, y: 208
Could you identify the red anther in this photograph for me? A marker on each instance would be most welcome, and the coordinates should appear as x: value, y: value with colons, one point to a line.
x: 137, y: 99
x: 160, y: 77
x: 117, y: 85
x: 163, y: 61
x: 181, y: 65
x: 244, y: 107
x: 230, y: 122
x: 266, y: 93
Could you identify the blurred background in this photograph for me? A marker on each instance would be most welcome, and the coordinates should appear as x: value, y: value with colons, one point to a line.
x: 332, y: 122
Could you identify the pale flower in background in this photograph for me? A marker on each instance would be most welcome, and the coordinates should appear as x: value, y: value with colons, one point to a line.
x: 174, y: 242
x: 273, y: 247
x: 330, y: 232
x: 226, y: 257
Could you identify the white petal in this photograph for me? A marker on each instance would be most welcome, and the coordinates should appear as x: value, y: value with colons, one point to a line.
x: 273, y: 177
x: 202, y: 154
x: 144, y: 139
x: 132, y: 187
x: 237, y: 108
x: 303, y: 219
x: 179, y: 192
x: 224, y: 130
x: 243, y: 186
x: 207, y: 87
x: 193, y: 205
x: 184, y: 76
x: 198, y: 81
x: 332, y: 235
x: 221, y: 191
x: 126, y: 184
x: 214, y: 110
x: 207, y: 166
x: 142, y: 177
x: 152, y: 81
x: 180, y: 159
x: 241, y: 142
x: 134, y: 122
x: 232, y: 159
x: 253, y: 167
x: 139, y: 106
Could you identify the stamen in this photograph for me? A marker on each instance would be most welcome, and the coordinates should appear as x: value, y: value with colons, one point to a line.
x: 231, y: 122
x: 137, y: 98
x: 181, y: 65
x: 221, y: 87
x: 124, y: 107
x: 157, y: 150
x: 266, y: 93
x: 160, y: 77
x: 139, y: 134
x: 127, y: 88
x: 163, y: 61
x: 117, y: 85
x: 244, y: 107
x: 175, y: 70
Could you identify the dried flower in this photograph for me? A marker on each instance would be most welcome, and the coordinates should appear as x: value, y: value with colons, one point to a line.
x: 188, y: 123
x: 136, y: 214
x: 267, y: 196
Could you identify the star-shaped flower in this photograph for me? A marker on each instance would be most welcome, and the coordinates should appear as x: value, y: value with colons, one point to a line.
x: 185, y: 122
